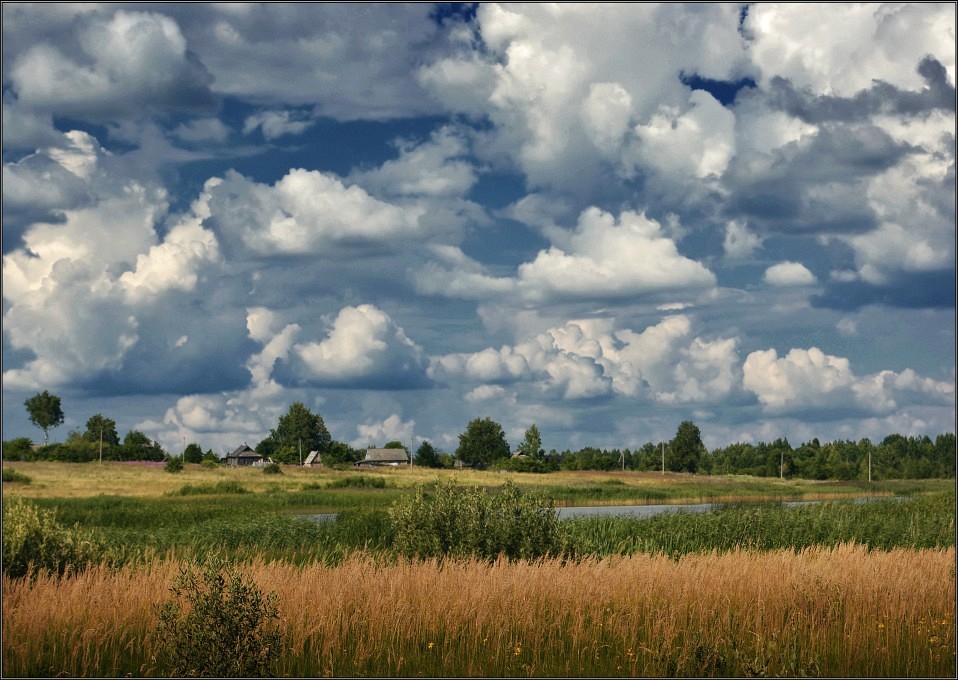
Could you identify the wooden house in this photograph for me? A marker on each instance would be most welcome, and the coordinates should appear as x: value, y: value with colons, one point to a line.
x: 242, y: 457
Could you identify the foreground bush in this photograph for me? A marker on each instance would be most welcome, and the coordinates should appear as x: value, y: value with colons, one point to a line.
x: 457, y: 522
x: 33, y: 541
x: 218, y: 624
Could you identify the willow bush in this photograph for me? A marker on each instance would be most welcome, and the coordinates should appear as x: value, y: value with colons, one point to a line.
x: 218, y: 624
x: 33, y: 540
x: 452, y: 521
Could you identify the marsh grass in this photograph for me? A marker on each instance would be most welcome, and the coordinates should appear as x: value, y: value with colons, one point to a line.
x: 919, y: 522
x: 841, y: 611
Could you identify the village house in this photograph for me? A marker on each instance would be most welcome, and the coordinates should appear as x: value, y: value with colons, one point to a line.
x: 242, y: 457
x: 379, y: 457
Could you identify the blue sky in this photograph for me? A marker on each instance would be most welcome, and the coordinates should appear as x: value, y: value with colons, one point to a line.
x: 602, y: 219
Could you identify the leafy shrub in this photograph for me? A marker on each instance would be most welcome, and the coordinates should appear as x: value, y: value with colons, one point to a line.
x: 525, y: 465
x: 360, y: 482
x: 210, y: 464
x: 34, y: 541
x: 20, y: 448
x: 475, y: 523
x: 272, y: 469
x: 174, y: 465
x: 218, y: 624
x: 11, y: 475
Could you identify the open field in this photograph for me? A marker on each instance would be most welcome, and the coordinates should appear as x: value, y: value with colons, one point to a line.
x: 842, y: 611
x: 78, y: 480
x: 835, y: 589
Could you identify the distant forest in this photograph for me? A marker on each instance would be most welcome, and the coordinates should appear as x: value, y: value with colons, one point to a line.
x: 896, y: 457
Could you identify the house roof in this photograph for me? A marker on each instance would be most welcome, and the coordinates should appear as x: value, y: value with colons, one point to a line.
x: 244, y: 452
x: 386, y: 456
x: 313, y: 457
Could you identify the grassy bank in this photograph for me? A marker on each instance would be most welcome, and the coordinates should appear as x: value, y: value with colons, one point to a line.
x: 842, y: 611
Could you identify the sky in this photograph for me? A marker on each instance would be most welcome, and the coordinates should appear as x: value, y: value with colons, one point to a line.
x: 601, y: 219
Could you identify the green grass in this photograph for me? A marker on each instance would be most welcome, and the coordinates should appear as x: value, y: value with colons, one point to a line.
x: 229, y: 516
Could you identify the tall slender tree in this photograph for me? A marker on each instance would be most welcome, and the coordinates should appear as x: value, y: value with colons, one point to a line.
x: 532, y: 444
x: 45, y: 412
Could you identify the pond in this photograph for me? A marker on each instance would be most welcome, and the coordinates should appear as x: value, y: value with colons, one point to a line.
x: 645, y: 511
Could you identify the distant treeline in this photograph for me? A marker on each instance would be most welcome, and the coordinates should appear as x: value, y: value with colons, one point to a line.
x: 78, y: 450
x: 896, y: 457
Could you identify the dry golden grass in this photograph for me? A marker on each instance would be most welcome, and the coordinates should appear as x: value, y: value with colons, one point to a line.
x: 78, y: 480
x: 838, y: 612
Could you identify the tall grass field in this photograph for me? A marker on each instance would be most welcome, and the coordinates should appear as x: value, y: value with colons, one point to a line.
x: 843, y: 611
x: 837, y: 588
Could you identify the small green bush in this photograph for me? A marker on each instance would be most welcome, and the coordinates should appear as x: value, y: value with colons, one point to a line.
x: 221, y: 487
x: 272, y: 469
x: 218, y: 624
x: 457, y: 522
x: 174, y: 465
x: 210, y: 464
x: 11, y: 475
x: 359, y: 482
x: 34, y: 541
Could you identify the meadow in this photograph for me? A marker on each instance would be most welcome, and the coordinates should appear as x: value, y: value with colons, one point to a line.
x: 832, y: 589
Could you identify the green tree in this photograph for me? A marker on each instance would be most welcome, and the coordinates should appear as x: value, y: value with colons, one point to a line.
x: 193, y: 453
x: 298, y: 427
x: 45, y: 412
x: 427, y: 456
x: 136, y: 438
x: 686, y: 449
x: 483, y: 442
x: 532, y: 444
x: 99, y: 423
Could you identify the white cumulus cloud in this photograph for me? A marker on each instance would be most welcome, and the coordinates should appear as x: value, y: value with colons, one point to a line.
x: 789, y: 274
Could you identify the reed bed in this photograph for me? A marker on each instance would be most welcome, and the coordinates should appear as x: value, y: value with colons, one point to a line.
x: 821, y: 611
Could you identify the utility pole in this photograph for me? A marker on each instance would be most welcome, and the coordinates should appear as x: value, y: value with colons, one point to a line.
x: 781, y: 463
x: 869, y: 465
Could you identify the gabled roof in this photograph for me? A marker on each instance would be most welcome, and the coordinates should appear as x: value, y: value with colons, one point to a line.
x: 386, y: 456
x: 313, y: 457
x: 244, y: 452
